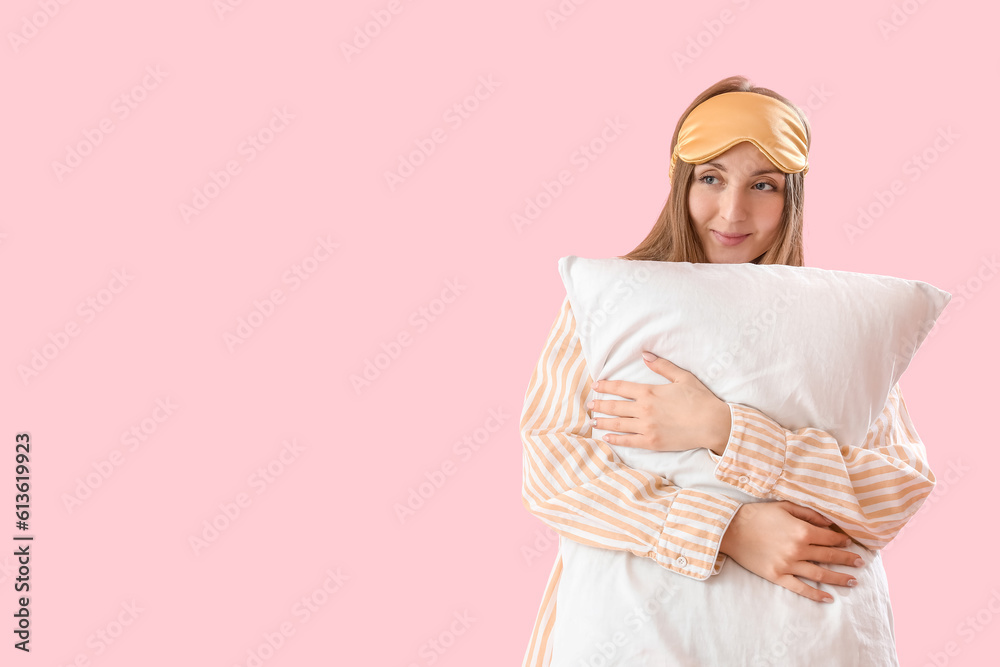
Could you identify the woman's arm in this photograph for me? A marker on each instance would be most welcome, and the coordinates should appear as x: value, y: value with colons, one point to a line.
x: 870, y: 490
x: 581, y: 488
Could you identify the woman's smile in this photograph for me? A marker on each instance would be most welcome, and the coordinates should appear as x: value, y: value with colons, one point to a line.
x: 726, y: 239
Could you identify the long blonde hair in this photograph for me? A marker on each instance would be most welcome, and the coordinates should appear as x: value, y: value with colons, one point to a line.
x: 673, y: 238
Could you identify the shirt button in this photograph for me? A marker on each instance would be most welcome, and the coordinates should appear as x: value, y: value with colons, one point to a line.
x: 681, y: 561
x: 744, y: 479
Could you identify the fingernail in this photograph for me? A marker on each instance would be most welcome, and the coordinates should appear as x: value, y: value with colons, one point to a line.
x: 590, y: 405
x: 858, y: 562
x: 827, y: 599
x: 852, y: 582
x: 649, y: 356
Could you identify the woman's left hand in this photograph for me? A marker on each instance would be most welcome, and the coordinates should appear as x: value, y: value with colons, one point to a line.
x: 681, y: 415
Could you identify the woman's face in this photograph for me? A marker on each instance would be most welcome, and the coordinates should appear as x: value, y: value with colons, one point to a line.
x: 735, y: 202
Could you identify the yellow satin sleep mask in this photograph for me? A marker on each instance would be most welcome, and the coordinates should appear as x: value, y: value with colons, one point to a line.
x: 722, y: 121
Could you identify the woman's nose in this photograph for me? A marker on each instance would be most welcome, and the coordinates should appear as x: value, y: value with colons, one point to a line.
x: 733, y: 205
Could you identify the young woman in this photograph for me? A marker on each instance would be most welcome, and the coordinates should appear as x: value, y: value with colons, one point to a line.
x: 737, y: 169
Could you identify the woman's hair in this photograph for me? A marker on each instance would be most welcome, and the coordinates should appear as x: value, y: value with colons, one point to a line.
x: 673, y: 238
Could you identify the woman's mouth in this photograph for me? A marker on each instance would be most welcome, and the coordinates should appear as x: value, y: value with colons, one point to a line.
x: 729, y: 240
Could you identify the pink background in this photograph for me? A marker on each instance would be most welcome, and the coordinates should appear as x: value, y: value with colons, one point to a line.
x: 434, y: 271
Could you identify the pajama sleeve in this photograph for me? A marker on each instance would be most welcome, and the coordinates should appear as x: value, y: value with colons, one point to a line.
x: 870, y: 490
x: 578, y: 485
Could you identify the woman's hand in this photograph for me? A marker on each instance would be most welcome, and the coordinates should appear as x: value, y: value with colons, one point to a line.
x: 781, y: 541
x: 684, y: 414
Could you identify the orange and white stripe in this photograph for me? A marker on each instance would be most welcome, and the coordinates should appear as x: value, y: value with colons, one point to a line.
x: 582, y: 489
x: 870, y: 490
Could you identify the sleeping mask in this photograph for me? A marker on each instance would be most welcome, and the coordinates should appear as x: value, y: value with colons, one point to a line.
x: 722, y: 121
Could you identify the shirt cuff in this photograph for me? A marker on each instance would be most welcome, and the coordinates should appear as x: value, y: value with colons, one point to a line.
x: 690, y: 541
x: 754, y: 458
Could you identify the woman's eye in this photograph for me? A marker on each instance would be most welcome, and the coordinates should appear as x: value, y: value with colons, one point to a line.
x: 708, y: 179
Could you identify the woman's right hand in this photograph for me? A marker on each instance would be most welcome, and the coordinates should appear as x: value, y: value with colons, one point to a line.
x: 777, y: 541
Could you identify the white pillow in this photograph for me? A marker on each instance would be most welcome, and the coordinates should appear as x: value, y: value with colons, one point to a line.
x: 804, y: 345
x: 807, y: 347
